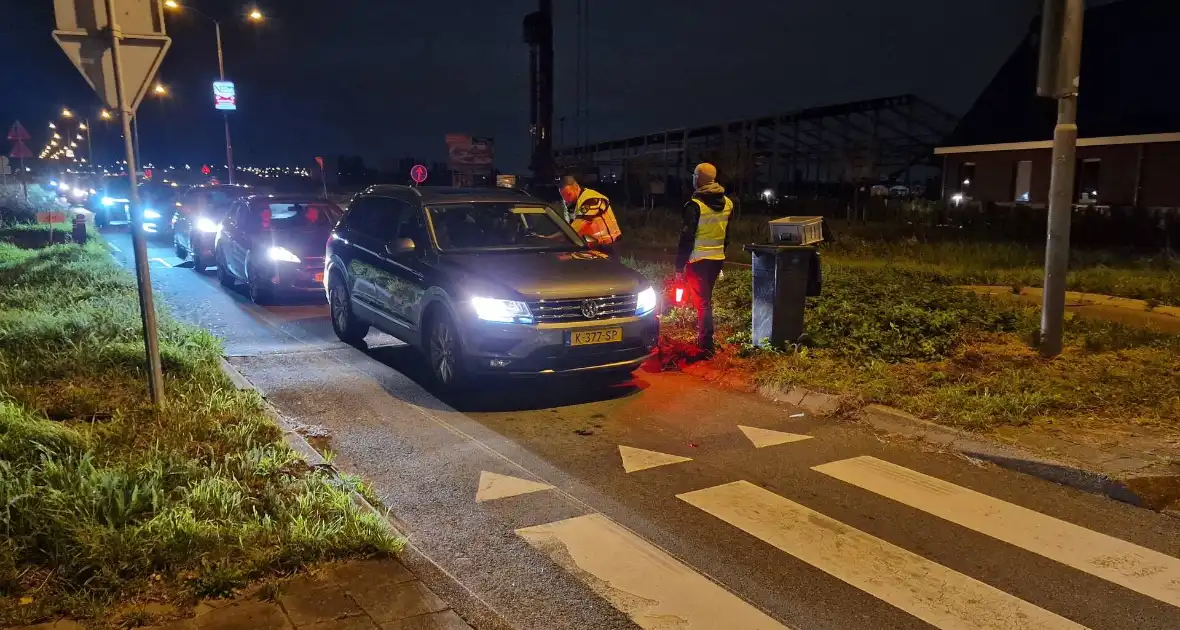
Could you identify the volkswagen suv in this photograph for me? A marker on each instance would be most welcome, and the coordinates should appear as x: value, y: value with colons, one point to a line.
x: 484, y: 281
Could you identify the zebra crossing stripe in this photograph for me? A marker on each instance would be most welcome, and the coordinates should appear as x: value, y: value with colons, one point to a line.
x: 654, y: 589
x: 940, y: 596
x: 1137, y: 568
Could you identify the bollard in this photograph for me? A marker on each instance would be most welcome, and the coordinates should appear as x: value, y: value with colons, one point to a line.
x: 79, y: 233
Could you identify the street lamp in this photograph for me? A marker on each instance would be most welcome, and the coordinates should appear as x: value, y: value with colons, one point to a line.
x: 160, y: 89
x: 255, y: 16
x: 52, y: 126
x: 105, y: 114
x: 66, y: 113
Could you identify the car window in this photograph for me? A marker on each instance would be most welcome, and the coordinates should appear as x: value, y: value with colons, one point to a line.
x: 293, y: 215
x: 375, y: 218
x: 499, y: 226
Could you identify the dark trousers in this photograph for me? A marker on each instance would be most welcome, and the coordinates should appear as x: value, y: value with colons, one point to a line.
x: 702, y: 277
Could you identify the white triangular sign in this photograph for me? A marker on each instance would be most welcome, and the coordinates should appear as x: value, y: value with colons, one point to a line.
x: 494, y: 486
x: 141, y: 56
x: 639, y: 459
x: 766, y: 437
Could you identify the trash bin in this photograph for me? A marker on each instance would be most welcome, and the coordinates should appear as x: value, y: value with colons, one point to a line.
x: 784, y: 276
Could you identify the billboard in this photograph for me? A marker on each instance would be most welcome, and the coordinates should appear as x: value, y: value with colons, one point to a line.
x: 224, y: 96
x: 469, y: 155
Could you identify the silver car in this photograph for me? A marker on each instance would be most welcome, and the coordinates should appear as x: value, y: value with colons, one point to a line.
x: 485, y: 282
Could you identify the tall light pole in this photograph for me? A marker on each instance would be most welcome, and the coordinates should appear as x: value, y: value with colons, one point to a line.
x: 254, y: 15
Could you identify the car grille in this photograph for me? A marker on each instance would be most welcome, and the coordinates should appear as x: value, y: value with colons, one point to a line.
x: 573, y: 310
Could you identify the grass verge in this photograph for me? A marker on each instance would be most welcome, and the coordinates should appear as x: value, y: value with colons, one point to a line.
x: 1155, y: 278
x: 910, y: 339
x: 108, y: 502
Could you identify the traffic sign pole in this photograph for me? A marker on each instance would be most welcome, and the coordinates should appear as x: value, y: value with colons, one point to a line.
x: 147, y: 307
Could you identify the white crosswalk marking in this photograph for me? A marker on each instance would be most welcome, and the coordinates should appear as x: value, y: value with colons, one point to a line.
x: 1137, y: 568
x: 654, y: 589
x: 927, y: 590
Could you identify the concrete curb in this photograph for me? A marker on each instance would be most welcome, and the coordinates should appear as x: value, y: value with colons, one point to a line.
x: 1160, y: 492
x: 469, y: 606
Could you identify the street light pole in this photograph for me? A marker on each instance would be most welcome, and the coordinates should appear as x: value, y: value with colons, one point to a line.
x: 229, y: 146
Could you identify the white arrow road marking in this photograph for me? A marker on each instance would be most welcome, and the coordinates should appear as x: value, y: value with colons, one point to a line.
x: 640, y: 459
x: 162, y: 262
x: 651, y: 587
x: 494, y: 486
x: 1137, y: 568
x: 767, y: 437
x: 939, y: 596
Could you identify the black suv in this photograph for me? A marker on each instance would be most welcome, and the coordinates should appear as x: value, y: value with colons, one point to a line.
x: 485, y: 281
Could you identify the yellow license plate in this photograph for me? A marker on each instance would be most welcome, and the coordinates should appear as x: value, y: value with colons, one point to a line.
x: 591, y: 337
x: 319, y: 277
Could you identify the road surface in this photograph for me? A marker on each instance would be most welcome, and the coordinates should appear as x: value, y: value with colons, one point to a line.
x: 669, y: 503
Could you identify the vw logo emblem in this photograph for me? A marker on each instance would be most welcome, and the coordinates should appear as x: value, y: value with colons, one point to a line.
x: 590, y: 309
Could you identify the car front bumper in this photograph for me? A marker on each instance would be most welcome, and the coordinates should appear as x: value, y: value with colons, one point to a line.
x: 524, y: 349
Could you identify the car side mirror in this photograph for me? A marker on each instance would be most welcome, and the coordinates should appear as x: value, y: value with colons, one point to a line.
x: 400, y: 247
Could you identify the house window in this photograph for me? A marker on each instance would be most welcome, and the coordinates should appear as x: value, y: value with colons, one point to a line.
x: 1088, y: 180
x: 1023, y: 181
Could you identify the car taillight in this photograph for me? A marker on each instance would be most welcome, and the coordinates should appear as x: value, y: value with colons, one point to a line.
x: 266, y: 219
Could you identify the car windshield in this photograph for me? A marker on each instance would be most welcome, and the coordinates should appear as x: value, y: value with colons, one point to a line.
x: 294, y: 215
x: 499, y: 226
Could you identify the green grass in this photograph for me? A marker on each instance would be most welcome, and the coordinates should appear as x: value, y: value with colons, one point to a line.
x: 107, y: 501
x: 910, y: 339
x: 1155, y: 278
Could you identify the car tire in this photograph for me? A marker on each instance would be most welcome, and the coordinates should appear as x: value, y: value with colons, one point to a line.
x: 260, y: 293
x: 444, y: 351
x: 223, y: 275
x: 181, y: 252
x: 345, y: 324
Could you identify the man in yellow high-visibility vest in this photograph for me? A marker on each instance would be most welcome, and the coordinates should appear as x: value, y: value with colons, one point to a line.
x: 703, y: 240
x: 593, y: 219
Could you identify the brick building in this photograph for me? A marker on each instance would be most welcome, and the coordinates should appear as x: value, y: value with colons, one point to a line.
x: 1128, y: 120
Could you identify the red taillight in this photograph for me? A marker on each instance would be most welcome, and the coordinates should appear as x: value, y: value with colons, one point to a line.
x: 312, y: 214
x: 266, y: 219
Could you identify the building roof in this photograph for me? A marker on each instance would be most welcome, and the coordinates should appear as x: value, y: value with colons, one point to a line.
x: 1130, y: 81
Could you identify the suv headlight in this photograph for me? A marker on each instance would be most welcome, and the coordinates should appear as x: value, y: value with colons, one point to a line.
x: 108, y: 202
x: 505, y: 311
x: 205, y: 224
x: 646, y: 301
x: 151, y: 214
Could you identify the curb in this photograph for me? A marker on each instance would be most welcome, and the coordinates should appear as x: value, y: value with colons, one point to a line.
x: 469, y: 606
x: 1155, y: 492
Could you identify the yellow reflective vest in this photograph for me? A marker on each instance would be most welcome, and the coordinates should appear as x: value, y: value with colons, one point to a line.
x: 593, y: 217
x: 711, y: 227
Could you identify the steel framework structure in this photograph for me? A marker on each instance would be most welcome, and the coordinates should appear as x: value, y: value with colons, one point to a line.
x: 879, y: 140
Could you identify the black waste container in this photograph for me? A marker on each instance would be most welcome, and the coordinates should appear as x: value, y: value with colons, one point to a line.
x: 784, y: 276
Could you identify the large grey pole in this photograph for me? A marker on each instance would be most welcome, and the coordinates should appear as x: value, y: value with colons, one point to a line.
x: 229, y: 146
x: 1065, y: 137
x: 147, y: 307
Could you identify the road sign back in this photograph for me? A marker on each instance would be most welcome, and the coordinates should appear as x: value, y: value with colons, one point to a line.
x: 83, y: 36
x: 20, y: 151
x: 18, y: 132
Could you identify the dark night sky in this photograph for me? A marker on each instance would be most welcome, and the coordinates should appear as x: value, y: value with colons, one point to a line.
x: 387, y: 79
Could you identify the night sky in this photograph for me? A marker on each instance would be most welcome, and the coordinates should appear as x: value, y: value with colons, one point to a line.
x: 387, y: 79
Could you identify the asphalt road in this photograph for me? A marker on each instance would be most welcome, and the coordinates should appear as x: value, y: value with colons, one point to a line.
x: 669, y: 503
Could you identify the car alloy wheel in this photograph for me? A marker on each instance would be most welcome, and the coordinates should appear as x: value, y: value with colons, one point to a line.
x: 445, y: 353
x: 346, y: 326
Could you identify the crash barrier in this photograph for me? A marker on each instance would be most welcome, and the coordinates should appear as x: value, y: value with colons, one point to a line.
x: 785, y: 273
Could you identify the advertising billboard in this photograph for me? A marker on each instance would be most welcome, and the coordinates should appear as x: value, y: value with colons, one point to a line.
x: 469, y: 155
x: 224, y: 96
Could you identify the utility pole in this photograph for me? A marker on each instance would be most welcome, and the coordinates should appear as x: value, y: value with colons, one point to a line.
x: 229, y: 146
x: 1058, y: 77
x: 538, y: 34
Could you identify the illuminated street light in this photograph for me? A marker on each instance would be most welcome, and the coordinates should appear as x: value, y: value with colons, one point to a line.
x: 160, y: 89
x: 104, y: 114
x: 52, y: 126
x: 78, y: 137
x: 172, y: 4
x: 66, y: 113
x: 255, y: 15
x: 82, y: 127
x: 56, y: 137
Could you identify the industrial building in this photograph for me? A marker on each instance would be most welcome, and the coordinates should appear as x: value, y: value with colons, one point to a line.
x: 1129, y: 126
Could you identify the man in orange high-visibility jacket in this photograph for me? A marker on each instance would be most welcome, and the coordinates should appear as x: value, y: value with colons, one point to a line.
x: 593, y: 218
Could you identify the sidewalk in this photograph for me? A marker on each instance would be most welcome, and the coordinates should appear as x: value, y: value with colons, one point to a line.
x: 355, y: 595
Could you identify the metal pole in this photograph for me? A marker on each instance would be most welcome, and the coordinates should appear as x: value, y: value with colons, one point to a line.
x: 135, y: 126
x: 229, y: 146
x: 147, y: 307
x: 1065, y: 137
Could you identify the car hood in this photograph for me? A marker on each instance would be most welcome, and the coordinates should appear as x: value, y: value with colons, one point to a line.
x: 302, y: 243
x: 544, y: 275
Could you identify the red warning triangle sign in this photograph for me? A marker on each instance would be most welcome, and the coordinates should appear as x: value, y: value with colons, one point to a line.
x: 18, y: 132
x: 20, y: 151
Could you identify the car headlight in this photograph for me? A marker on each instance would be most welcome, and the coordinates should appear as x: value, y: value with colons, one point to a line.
x: 205, y: 224
x: 505, y: 311
x: 646, y: 301
x: 78, y: 192
x: 151, y: 214
x: 281, y: 254
x: 107, y: 201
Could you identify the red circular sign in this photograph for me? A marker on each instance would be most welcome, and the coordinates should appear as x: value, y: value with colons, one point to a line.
x: 418, y: 173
